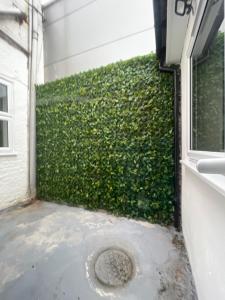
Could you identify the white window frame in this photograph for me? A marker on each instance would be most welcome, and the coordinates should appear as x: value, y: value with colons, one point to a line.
x: 9, y: 117
x: 195, y: 155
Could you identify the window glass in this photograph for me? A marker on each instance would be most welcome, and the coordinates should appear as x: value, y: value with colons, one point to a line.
x: 3, y: 98
x: 4, y: 133
x: 208, y: 81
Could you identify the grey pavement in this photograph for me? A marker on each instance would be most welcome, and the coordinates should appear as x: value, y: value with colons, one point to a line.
x: 48, y: 251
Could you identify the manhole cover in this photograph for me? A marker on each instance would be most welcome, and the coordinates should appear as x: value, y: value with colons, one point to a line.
x: 113, y: 267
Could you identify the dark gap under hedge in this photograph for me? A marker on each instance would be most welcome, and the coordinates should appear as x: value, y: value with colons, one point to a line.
x: 105, y: 140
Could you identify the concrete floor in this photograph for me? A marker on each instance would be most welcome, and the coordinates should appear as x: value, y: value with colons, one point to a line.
x: 47, y: 252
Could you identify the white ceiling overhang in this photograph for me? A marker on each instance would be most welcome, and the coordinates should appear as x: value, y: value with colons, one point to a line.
x: 175, y: 34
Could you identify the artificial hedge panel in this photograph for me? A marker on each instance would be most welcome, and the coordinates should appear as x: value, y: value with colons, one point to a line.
x: 105, y: 140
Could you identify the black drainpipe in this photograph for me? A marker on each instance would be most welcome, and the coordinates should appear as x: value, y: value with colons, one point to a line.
x: 177, y: 143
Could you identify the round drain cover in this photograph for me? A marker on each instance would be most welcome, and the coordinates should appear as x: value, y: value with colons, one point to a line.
x: 113, y: 267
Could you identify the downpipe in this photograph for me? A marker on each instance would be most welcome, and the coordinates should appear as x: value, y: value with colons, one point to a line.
x: 177, y: 141
x: 33, y: 40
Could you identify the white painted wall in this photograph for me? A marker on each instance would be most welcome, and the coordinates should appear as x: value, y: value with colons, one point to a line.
x: 85, y: 34
x: 203, y: 203
x: 8, y: 24
x: 14, y: 169
x: 14, y: 166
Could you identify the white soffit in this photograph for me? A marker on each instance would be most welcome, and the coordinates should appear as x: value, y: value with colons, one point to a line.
x: 175, y: 34
x: 46, y: 3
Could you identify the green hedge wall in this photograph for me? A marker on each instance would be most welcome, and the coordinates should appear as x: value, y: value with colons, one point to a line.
x: 105, y: 140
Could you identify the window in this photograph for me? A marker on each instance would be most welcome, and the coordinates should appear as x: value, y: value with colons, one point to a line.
x: 4, y: 141
x: 3, y: 98
x: 5, y: 117
x: 207, y: 67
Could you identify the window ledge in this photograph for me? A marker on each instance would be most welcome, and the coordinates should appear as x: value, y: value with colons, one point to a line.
x: 217, y: 182
x: 4, y: 154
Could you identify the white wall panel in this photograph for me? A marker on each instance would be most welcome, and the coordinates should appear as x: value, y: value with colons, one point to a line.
x: 80, y: 35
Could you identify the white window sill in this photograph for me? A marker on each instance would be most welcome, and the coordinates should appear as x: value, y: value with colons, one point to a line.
x: 4, y: 154
x: 215, y: 181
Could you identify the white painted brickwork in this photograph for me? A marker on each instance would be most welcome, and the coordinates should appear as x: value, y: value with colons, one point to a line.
x: 14, y: 169
x: 19, y: 32
x: 14, y: 68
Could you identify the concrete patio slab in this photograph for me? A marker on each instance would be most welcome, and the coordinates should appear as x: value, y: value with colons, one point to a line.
x: 48, y: 251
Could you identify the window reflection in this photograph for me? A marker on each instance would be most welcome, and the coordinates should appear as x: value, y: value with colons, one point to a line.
x: 208, y: 81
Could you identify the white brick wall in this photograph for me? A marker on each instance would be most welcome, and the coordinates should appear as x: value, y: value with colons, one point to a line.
x: 14, y: 169
x: 19, y: 32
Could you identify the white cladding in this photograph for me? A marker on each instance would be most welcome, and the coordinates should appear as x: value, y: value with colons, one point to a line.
x: 85, y: 34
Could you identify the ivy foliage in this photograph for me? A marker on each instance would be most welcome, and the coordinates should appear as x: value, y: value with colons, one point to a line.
x: 105, y: 140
